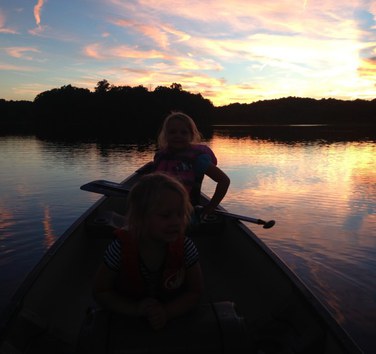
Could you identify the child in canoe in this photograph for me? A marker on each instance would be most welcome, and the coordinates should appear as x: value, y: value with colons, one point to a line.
x: 181, y: 155
x: 151, y: 269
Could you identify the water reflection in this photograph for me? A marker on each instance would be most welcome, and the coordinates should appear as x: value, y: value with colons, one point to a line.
x: 318, y: 133
x: 323, y: 197
x: 49, y: 235
x: 330, y: 182
x: 6, y: 220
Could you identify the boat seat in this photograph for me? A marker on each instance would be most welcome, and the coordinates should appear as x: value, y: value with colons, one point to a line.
x: 210, y: 328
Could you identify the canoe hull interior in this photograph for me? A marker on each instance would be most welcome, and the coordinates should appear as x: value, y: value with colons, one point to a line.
x: 252, y: 301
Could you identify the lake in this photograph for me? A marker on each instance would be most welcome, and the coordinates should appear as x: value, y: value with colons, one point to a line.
x: 319, y: 184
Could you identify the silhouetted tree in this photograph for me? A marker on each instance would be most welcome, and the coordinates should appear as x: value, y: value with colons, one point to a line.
x: 126, y: 110
x: 176, y: 86
x: 102, y: 86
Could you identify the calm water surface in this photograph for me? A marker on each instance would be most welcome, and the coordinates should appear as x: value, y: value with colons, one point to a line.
x: 321, y: 192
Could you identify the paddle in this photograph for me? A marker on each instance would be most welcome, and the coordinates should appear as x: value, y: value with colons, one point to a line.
x: 115, y: 189
x: 266, y: 224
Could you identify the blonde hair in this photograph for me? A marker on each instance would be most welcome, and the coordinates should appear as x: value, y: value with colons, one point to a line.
x: 145, y: 197
x: 187, y: 120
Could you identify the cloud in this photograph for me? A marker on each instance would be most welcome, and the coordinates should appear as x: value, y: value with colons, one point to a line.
x: 4, y: 29
x: 38, y: 31
x: 93, y: 51
x: 2, y: 19
x: 244, y: 30
x: 160, y: 59
x: 7, y: 30
x: 17, y: 68
x: 98, y: 51
x: 37, y: 11
x: 19, y: 52
x: 30, y: 90
x: 125, y: 51
x: 241, y: 15
x: 237, y: 18
x: 313, y: 46
x: 239, y: 49
x: 367, y: 68
x: 150, y: 31
x: 161, y: 34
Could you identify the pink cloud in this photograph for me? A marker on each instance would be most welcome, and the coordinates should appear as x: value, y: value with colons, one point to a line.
x: 93, y: 51
x: 8, y: 30
x: 11, y: 67
x: 129, y: 52
x: 97, y: 51
x: 37, y: 11
x: 159, y: 33
x: 19, y: 52
x: 3, y: 28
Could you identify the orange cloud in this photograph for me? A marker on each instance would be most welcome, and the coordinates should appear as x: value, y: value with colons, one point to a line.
x: 367, y: 68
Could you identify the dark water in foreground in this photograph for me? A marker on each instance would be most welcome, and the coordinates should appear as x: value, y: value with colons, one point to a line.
x: 321, y: 191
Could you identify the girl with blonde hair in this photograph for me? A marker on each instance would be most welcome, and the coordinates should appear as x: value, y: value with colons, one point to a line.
x: 151, y: 270
x: 182, y: 155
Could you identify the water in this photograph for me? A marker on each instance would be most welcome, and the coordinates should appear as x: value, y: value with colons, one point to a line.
x: 320, y: 191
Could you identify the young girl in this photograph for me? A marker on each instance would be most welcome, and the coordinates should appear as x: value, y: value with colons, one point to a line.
x: 181, y: 155
x: 151, y: 270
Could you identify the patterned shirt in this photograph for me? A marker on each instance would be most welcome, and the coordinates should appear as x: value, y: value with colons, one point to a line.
x: 112, y: 255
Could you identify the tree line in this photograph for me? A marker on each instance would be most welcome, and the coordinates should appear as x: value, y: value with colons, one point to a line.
x: 126, y: 110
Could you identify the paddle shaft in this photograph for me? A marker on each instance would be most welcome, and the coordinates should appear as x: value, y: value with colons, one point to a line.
x: 117, y: 190
x: 267, y: 224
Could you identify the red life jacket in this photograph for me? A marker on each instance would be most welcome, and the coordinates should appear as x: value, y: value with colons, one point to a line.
x: 182, y: 165
x: 131, y: 282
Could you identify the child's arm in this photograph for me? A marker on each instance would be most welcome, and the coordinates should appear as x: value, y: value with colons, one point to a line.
x: 223, y: 182
x: 158, y: 314
x: 105, y: 294
x: 194, y: 286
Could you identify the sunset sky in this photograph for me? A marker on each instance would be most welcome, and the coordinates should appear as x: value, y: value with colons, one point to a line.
x: 229, y: 51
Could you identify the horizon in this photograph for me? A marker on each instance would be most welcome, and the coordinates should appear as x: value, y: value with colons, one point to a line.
x: 242, y: 52
x: 219, y: 106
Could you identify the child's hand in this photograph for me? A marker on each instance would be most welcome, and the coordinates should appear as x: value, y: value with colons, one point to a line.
x: 157, y: 316
x: 154, y: 312
x: 145, y: 306
x: 207, y: 210
x: 206, y: 213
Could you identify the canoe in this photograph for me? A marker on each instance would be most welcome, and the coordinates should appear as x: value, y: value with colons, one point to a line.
x: 252, y: 303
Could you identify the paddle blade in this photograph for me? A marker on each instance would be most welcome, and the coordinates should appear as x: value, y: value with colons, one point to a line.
x: 269, y: 224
